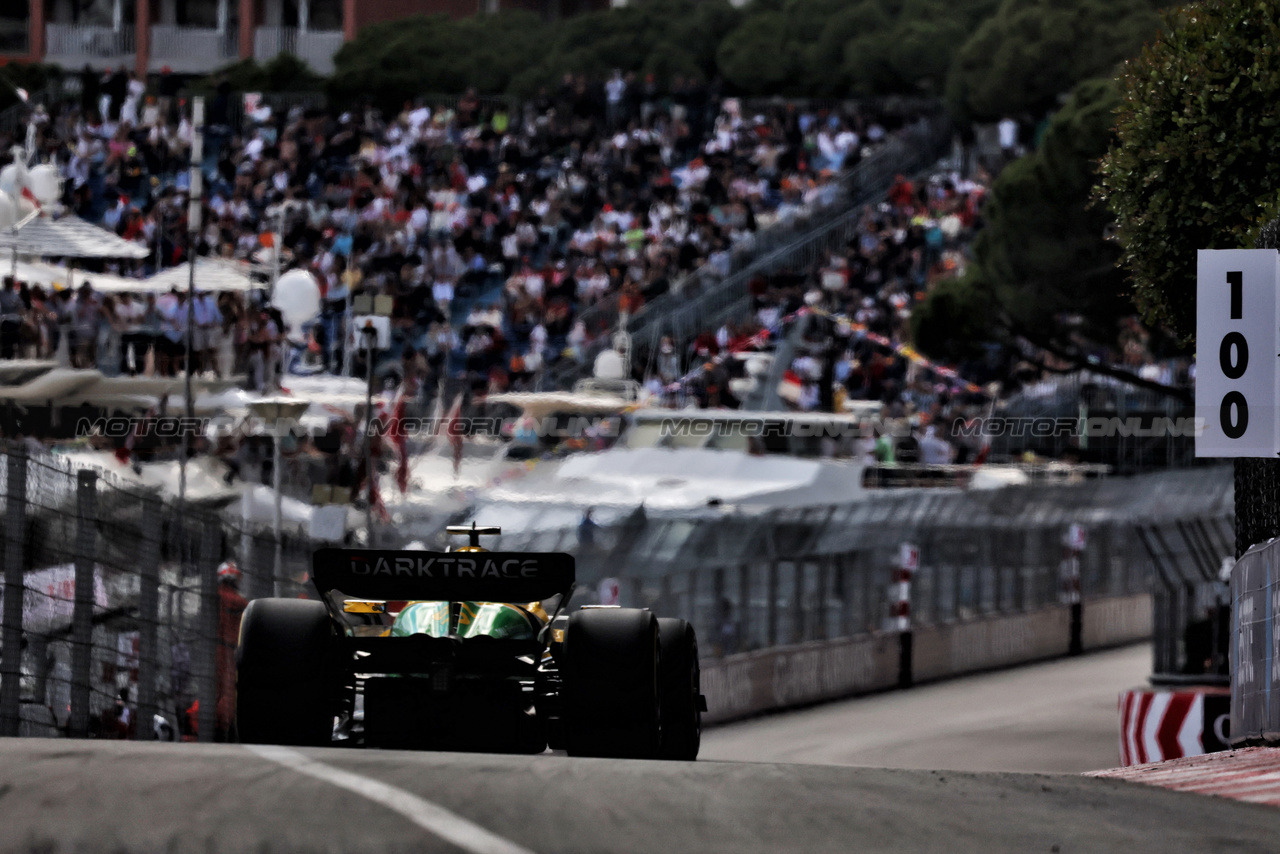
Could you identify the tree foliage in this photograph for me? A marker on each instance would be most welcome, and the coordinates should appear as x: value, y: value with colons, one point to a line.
x: 825, y: 48
x: 283, y: 73
x: 1022, y: 58
x: 992, y: 57
x: 394, y: 61
x: 1193, y: 165
x: 1042, y: 269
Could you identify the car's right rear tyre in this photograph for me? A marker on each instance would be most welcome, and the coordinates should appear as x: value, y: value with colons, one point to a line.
x: 611, y: 693
x: 681, y: 686
x: 285, y: 673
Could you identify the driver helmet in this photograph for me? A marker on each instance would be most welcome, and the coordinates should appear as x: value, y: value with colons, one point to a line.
x: 228, y: 573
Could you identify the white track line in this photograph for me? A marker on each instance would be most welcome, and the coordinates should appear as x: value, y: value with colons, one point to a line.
x: 431, y: 817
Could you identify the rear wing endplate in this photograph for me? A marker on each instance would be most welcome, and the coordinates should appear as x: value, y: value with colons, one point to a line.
x: 442, y: 576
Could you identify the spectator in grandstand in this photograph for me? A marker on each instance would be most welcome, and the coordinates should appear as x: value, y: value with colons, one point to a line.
x: 935, y: 450
x: 12, y: 311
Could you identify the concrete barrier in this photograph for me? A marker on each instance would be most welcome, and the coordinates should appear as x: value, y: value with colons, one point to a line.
x: 740, y: 685
x: 1117, y: 620
x: 997, y: 641
x: 746, y: 684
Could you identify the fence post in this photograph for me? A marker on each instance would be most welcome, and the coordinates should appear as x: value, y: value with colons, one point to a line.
x: 744, y: 607
x: 207, y: 642
x: 908, y: 560
x: 260, y: 568
x: 15, y: 526
x: 844, y: 569
x: 690, y: 597
x: 148, y: 615
x: 799, y: 625
x: 1074, y: 545
x: 771, y: 602
x: 82, y: 614
x: 821, y: 623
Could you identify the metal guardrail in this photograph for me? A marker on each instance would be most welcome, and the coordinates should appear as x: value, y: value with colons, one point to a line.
x: 194, y: 48
x: 69, y: 42
x: 315, y: 47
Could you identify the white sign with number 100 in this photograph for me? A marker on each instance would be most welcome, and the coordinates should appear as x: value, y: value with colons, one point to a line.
x: 1237, y: 363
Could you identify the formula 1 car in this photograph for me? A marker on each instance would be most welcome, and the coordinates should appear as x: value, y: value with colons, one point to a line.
x: 443, y: 658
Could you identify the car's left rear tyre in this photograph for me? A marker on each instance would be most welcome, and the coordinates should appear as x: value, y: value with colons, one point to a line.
x: 285, y: 673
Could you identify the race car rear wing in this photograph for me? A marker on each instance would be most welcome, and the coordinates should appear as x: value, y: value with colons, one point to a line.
x: 442, y: 576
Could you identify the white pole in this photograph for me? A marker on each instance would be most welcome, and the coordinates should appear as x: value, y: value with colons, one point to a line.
x: 370, y: 338
x: 275, y: 474
x: 275, y: 368
x: 246, y: 538
x: 348, y: 334
x: 194, y: 210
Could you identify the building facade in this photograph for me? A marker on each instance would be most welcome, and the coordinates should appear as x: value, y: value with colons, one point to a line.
x: 197, y: 36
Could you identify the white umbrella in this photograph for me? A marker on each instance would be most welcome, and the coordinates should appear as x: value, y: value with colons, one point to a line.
x: 49, y: 275
x: 211, y: 275
x: 69, y: 237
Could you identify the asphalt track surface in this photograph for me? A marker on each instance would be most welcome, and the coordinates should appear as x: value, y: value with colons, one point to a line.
x: 1055, y: 717
x: 117, y: 797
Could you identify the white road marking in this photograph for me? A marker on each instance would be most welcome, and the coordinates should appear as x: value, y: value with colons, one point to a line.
x: 433, y: 818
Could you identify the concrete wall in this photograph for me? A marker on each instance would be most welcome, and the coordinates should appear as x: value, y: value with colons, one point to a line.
x: 741, y: 685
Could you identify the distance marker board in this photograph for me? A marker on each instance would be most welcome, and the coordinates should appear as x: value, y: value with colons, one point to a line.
x: 1237, y: 363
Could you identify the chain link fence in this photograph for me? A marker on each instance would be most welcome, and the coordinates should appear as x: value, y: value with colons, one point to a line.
x: 113, y: 613
x: 753, y: 580
x: 112, y: 609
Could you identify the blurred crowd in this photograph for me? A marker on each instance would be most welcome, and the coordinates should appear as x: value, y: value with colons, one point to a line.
x: 863, y: 291
x: 491, y: 225
x: 126, y: 333
x: 856, y: 354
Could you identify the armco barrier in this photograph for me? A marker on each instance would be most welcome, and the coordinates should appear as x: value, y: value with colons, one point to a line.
x: 750, y: 683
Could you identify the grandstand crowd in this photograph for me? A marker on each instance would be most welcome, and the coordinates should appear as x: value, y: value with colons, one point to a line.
x: 491, y: 225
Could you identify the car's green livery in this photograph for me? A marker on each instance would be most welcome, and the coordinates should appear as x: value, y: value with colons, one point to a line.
x: 492, y: 674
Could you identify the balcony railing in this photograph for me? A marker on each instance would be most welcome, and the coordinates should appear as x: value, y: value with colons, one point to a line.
x: 76, y: 44
x: 314, y: 47
x: 192, y: 49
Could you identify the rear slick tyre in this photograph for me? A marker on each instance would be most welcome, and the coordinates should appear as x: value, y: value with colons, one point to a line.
x: 611, y: 702
x: 680, y: 682
x: 285, y: 673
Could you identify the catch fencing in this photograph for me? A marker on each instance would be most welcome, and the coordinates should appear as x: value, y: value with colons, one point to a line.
x: 993, y: 586
x: 109, y: 588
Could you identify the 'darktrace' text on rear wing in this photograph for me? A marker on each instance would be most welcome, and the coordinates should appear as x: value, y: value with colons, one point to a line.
x: 442, y: 576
